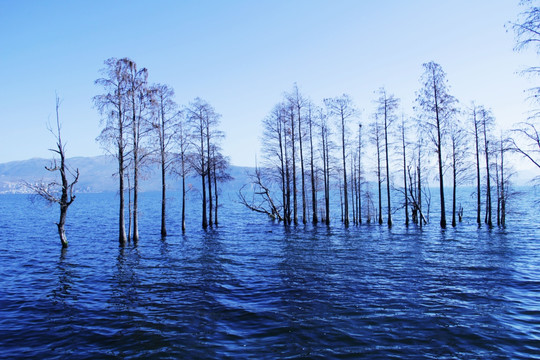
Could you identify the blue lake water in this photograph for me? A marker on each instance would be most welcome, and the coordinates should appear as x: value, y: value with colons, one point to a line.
x: 255, y: 290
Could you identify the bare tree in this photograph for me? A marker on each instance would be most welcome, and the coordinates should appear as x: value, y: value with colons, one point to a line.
x: 458, y: 145
x: 486, y: 122
x: 437, y: 107
x: 164, y: 123
x: 476, y: 123
x: 182, y: 140
x: 325, y: 154
x: 202, y: 119
x: 298, y: 102
x: 529, y: 147
x: 386, y: 108
x: 402, y: 130
x: 138, y: 97
x: 112, y: 105
x: 61, y: 192
x: 343, y: 109
x: 310, y: 120
x: 360, y: 172
x: 376, y: 137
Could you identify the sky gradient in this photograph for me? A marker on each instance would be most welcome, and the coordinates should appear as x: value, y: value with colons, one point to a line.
x: 242, y: 55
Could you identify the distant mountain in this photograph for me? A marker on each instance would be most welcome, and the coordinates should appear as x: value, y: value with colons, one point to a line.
x: 97, y: 175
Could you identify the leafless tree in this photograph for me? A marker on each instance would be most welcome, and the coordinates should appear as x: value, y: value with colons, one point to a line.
x: 310, y: 121
x: 165, y: 119
x: 527, y: 32
x: 476, y: 132
x: 386, y: 108
x: 376, y: 138
x: 437, y: 107
x: 458, y: 151
x: 298, y: 102
x: 112, y: 105
x: 203, y: 120
x: 402, y: 131
x: 182, y: 139
x: 61, y: 192
x: 343, y: 110
x: 139, y: 101
x: 486, y: 122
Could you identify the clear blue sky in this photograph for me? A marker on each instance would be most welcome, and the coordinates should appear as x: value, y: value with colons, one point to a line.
x: 242, y: 55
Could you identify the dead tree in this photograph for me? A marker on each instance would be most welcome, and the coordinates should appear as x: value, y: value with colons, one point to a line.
x: 486, y: 122
x: 376, y: 138
x: 476, y: 123
x: 343, y: 110
x: 182, y: 140
x: 261, y: 201
x: 310, y: 120
x: 164, y: 123
x: 437, y: 107
x: 61, y: 192
x: 112, y: 105
x: 459, y: 150
x: 298, y: 102
x: 138, y: 98
x: 203, y: 120
x: 404, y: 156
x: 386, y: 107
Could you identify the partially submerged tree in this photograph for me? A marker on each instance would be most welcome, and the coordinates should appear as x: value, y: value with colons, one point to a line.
x: 164, y: 123
x: 112, y: 105
x: 476, y: 133
x: 61, y: 192
x: 203, y: 120
x: 458, y: 154
x: 386, y: 107
x: 437, y: 107
x: 486, y: 122
x: 343, y: 110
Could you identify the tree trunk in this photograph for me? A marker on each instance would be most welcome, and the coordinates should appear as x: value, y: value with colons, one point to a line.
x: 379, y: 180
x: 503, y: 191
x: 216, y: 195
x: 163, y: 194
x: 183, y: 195
x: 478, y: 188
x: 313, y: 187
x: 405, y: 177
x: 387, y: 167
x: 295, y: 202
x: 360, y: 173
x: 488, y: 219
x: 203, y: 182
x: 121, y: 220
x: 439, y: 155
x: 345, y: 195
x: 208, y: 174
x: 454, y: 184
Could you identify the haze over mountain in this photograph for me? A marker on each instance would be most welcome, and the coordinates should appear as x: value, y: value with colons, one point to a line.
x: 97, y: 175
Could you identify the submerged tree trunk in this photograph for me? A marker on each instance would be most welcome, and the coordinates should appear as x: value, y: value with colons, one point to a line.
x: 163, y: 195
x: 359, y: 173
x: 295, y: 201
x: 315, y: 220
x: 183, y: 196
x: 387, y: 167
x: 478, y: 188
x: 454, y: 184
x: 406, y: 199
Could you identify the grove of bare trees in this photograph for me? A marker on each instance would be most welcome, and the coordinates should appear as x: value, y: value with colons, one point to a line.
x: 143, y: 124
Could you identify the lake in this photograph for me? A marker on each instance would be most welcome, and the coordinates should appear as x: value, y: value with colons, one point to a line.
x: 252, y: 289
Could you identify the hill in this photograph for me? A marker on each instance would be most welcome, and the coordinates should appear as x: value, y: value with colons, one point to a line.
x: 97, y: 175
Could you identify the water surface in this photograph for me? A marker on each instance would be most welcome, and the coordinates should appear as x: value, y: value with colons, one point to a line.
x: 253, y: 289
